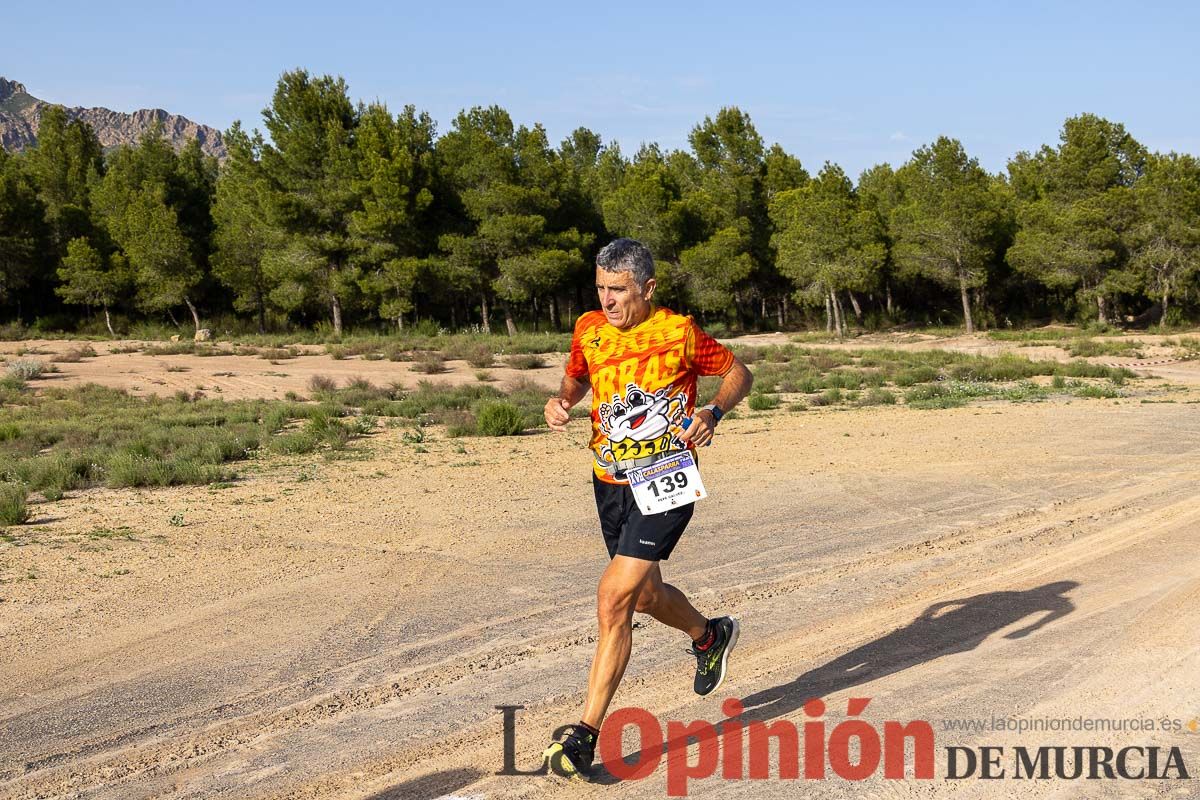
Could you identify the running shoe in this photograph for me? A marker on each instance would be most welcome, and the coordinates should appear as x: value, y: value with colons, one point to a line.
x: 571, y: 756
x: 711, y: 662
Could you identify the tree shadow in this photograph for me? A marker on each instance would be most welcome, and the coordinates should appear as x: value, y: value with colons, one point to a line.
x: 945, y: 628
x: 430, y: 786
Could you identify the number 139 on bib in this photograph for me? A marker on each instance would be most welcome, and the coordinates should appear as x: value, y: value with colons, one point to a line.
x: 667, y: 484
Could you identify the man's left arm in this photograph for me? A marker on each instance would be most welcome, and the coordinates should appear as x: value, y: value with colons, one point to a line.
x: 735, y: 385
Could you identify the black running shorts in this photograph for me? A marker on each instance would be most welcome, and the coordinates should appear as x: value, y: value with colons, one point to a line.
x: 627, y: 532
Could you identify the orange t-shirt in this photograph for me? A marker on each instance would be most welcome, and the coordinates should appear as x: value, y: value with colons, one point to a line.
x: 643, y: 381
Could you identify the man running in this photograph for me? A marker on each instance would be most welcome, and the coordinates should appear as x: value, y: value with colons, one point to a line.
x: 641, y: 364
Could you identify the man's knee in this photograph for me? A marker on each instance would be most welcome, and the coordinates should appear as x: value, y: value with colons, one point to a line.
x: 648, y: 599
x: 614, y: 605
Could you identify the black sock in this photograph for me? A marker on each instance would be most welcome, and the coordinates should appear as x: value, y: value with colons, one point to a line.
x: 593, y: 731
x: 709, y: 637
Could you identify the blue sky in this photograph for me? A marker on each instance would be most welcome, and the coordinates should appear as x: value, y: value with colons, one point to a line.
x: 854, y: 83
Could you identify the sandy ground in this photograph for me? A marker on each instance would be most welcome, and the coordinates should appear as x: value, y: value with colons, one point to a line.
x: 346, y: 628
x: 236, y: 377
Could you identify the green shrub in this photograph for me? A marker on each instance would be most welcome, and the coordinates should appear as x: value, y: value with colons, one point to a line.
x: 480, y: 356
x: 763, y: 402
x: 169, y: 349
x: 1085, y: 348
x: 526, y: 361
x: 1083, y: 369
x: 830, y: 397
x: 25, y: 370
x: 807, y: 384
x: 779, y: 355
x: 14, y: 384
x: 328, y: 429
x: 430, y: 364
x: 294, y: 443
x: 1096, y: 391
x: 395, y: 352
x: 322, y: 385
x: 499, y: 419
x: 460, y: 423
x: 74, y: 355
x: 13, y: 508
x: 136, y: 469
x: 915, y: 375
x: 748, y: 355
x: 933, y: 395
x: 876, y: 397
x: 844, y: 379
x: 359, y: 391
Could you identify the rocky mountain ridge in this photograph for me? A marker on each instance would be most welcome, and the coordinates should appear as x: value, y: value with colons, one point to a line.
x: 21, y: 113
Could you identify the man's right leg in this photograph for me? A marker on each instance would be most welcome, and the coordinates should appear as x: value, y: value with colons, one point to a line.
x: 616, y: 598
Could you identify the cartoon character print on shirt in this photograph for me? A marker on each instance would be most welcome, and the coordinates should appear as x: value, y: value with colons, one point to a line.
x: 641, y: 423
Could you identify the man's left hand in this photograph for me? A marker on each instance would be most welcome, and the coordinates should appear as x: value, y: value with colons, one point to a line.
x: 700, y: 432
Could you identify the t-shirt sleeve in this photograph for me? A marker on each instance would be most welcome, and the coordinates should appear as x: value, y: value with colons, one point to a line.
x: 705, y: 355
x: 577, y: 366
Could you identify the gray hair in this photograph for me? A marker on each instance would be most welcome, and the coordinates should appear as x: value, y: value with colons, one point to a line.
x: 627, y: 255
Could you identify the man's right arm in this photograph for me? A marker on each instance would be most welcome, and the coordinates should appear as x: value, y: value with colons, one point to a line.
x: 570, y: 392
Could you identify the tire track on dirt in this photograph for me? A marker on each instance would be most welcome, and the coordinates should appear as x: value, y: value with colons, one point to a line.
x: 1082, y: 522
x: 1176, y: 514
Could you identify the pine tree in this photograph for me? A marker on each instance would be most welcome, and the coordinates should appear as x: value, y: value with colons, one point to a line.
x: 1165, y: 240
x: 310, y: 171
x: 24, y: 236
x: 395, y: 183
x: 948, y: 224
x: 827, y: 243
x: 244, y: 232
x: 90, y: 280
x: 1075, y: 208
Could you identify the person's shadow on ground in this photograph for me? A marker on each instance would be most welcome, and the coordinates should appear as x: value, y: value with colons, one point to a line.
x: 951, y: 626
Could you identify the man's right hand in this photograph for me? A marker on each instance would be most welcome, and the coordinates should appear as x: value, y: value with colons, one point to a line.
x: 556, y: 414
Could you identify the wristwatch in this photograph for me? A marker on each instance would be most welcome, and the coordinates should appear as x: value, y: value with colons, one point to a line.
x: 715, y: 410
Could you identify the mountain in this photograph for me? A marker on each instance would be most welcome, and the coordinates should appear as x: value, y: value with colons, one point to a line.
x: 21, y: 112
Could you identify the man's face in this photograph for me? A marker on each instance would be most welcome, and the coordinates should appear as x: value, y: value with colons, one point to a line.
x: 624, y: 303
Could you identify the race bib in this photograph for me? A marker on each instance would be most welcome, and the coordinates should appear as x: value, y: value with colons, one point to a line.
x: 666, y: 484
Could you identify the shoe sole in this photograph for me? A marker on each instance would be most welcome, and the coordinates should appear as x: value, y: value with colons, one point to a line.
x: 566, y: 768
x: 733, y: 637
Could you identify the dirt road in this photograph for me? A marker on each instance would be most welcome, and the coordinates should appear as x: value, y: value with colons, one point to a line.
x: 346, y: 629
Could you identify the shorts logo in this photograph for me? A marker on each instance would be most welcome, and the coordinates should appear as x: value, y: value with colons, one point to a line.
x: 643, y: 541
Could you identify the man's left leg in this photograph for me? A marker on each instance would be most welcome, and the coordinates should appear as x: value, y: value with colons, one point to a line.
x: 670, y: 606
x: 712, y: 639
